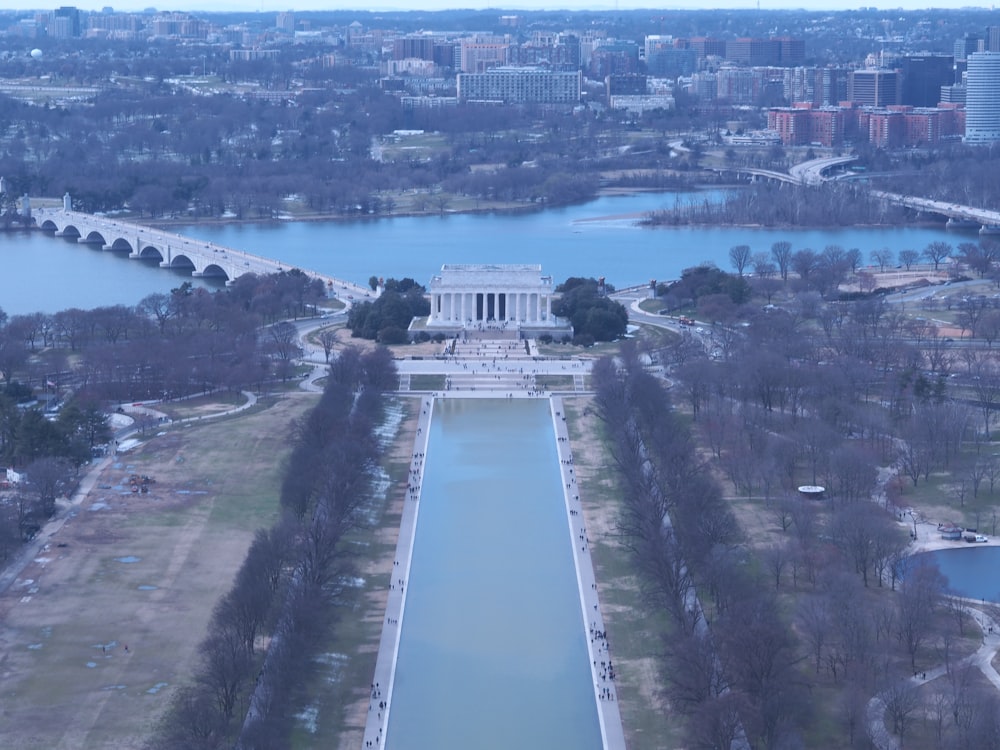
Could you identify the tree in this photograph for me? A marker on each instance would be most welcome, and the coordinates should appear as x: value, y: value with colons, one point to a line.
x: 591, y: 312
x: 908, y: 258
x: 883, y: 257
x: 854, y: 259
x: 782, y: 254
x: 920, y: 596
x: 739, y: 256
x: 327, y: 339
x: 283, y: 346
x: 48, y: 478
x: 936, y: 252
x: 804, y: 263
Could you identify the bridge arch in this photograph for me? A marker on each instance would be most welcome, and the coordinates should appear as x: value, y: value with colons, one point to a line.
x: 120, y: 245
x: 69, y: 231
x: 151, y: 252
x: 93, y: 238
x: 215, y: 270
x: 181, y: 262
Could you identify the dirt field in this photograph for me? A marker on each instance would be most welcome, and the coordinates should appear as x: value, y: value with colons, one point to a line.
x: 105, y: 622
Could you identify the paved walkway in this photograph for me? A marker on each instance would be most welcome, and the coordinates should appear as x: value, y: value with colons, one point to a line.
x: 602, y: 669
x: 388, y: 649
x: 602, y: 666
x: 982, y: 659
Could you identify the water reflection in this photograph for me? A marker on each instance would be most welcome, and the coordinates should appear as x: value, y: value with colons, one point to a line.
x: 493, y: 651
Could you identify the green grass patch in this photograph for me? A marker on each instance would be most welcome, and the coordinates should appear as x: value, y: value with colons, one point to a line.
x: 427, y: 382
x: 652, y: 306
x: 554, y: 382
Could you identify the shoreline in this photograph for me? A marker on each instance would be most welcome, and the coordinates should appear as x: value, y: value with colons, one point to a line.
x: 643, y: 219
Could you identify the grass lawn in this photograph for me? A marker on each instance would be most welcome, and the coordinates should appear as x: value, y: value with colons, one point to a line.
x: 337, y: 683
x: 427, y: 382
x: 634, y: 631
x: 142, y: 570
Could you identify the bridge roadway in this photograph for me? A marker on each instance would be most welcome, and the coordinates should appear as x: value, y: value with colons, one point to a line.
x: 174, y: 250
x: 982, y: 216
x: 811, y: 173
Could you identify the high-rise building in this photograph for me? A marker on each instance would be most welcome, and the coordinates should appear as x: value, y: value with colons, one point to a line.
x: 874, y: 88
x: 420, y: 47
x: 923, y: 77
x: 614, y: 57
x: 831, y: 86
x: 992, y: 39
x: 285, y: 22
x: 982, y: 98
x: 66, y: 22
x: 967, y: 45
x: 478, y: 56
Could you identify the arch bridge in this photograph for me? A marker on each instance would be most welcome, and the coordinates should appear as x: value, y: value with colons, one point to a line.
x: 169, y: 249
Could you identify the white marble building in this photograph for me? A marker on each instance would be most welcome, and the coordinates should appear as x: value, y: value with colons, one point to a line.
x: 483, y: 297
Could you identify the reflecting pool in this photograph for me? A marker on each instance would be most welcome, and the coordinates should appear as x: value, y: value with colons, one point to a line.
x: 971, y: 572
x: 493, y: 652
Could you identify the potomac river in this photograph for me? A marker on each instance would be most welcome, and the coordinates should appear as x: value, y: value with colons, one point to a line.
x: 599, y: 238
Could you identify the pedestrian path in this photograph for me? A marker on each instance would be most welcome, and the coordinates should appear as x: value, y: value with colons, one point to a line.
x: 388, y: 650
x: 602, y: 665
x: 982, y: 659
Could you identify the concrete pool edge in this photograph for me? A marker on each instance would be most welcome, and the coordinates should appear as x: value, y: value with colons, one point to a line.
x: 592, y: 617
x: 608, y: 714
x: 377, y: 724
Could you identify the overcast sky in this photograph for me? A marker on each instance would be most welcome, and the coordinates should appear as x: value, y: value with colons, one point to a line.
x: 271, y: 6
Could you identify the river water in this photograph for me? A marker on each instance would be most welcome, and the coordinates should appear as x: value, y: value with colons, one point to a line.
x: 599, y: 238
x: 493, y: 652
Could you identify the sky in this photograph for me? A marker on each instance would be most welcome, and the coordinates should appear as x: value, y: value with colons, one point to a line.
x: 272, y: 6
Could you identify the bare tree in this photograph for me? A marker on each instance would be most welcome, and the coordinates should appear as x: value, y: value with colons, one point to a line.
x: 908, y: 258
x: 327, y: 339
x: 739, y: 257
x: 936, y: 252
x: 901, y: 700
x: 816, y: 623
x: 782, y: 254
x: 921, y: 593
x: 883, y: 257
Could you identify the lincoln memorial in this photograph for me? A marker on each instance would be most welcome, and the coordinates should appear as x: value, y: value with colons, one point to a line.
x: 508, y: 299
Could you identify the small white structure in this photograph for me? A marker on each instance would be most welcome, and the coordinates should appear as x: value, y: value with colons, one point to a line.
x: 478, y: 297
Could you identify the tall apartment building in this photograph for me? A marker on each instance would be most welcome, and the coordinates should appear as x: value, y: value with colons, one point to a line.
x: 802, y: 125
x: 521, y: 85
x: 614, y: 57
x: 982, y: 98
x: 830, y: 87
x: 285, y: 22
x: 419, y: 47
x: 65, y: 22
x: 478, y: 56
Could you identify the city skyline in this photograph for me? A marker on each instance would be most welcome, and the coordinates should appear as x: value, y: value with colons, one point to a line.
x: 276, y: 6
